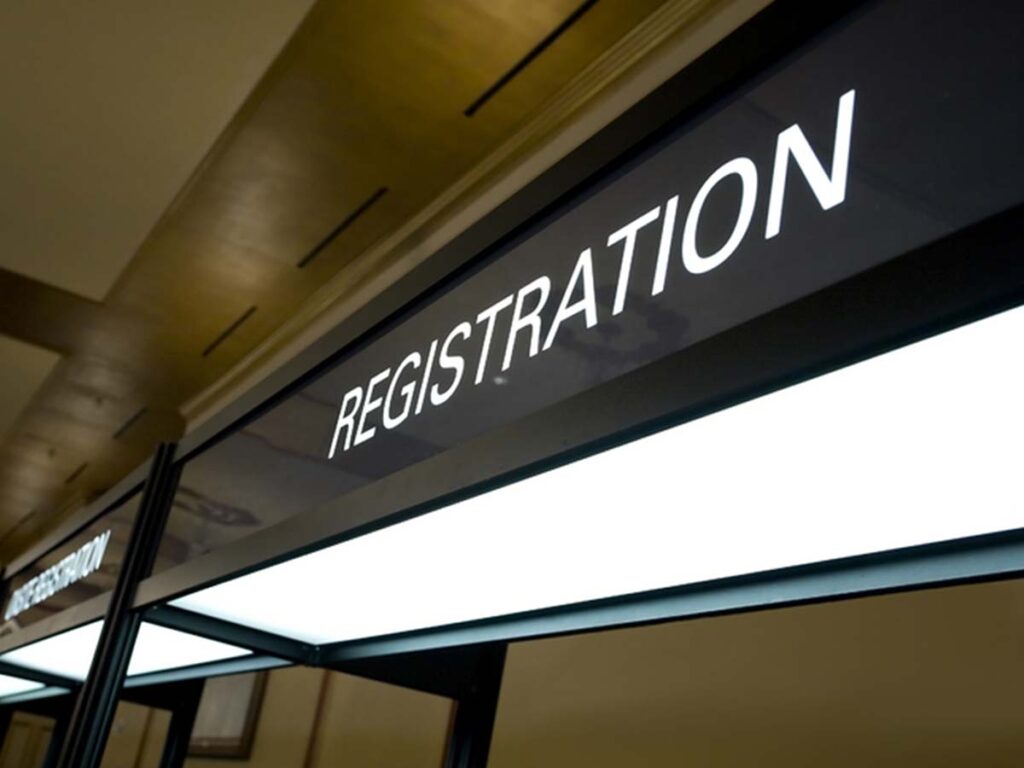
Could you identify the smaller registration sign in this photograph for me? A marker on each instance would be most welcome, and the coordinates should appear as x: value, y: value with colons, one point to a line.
x: 82, y: 567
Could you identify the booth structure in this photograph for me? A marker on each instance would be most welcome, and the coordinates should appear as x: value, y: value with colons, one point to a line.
x: 756, y: 344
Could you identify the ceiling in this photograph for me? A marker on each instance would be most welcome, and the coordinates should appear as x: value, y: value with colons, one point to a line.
x: 109, y: 106
x: 178, y: 182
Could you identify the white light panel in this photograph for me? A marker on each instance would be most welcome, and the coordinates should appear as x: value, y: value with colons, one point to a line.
x: 157, y: 648
x: 10, y: 686
x: 915, y: 446
x: 68, y: 654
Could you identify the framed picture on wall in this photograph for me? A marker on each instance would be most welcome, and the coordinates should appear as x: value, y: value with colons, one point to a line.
x: 228, y: 712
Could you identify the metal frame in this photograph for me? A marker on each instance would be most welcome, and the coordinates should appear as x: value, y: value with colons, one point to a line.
x: 980, y: 559
x: 182, y: 700
x: 97, y: 699
x: 470, y: 741
x: 469, y: 675
x: 253, y: 663
x: 843, y: 324
x: 186, y: 698
x: 47, y: 679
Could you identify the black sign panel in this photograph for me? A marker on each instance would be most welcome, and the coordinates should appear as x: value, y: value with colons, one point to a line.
x: 889, y: 132
x: 84, y: 566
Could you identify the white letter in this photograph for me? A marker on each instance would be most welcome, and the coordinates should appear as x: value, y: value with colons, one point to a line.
x: 489, y: 314
x: 99, y: 549
x: 12, y: 605
x: 693, y: 261
x: 530, y: 320
x: 628, y: 233
x: 668, y: 226
x: 17, y: 603
x: 90, y: 559
x: 346, y: 419
x: 78, y: 567
x: 370, y: 404
x: 587, y: 304
x: 426, y: 376
x: 64, y: 571
x: 413, y: 359
x: 829, y: 191
x: 452, y: 362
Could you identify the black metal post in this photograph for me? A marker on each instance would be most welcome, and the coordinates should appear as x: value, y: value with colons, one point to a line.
x: 470, y: 740
x: 94, y: 708
x: 183, y: 717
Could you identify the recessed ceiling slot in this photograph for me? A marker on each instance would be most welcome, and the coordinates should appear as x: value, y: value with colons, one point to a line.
x: 347, y: 222
x: 130, y: 422
x: 524, y: 62
x: 228, y: 331
x: 76, y: 474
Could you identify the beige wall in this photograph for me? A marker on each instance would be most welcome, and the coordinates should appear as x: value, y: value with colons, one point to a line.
x: 365, y: 723
x: 360, y: 723
x: 285, y: 725
x: 137, y: 737
x: 310, y: 718
x: 152, y: 747
x: 930, y: 679
x: 27, y: 739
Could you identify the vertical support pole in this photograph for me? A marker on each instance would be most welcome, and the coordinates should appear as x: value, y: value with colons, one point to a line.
x: 94, y: 708
x: 470, y: 741
x: 183, y: 717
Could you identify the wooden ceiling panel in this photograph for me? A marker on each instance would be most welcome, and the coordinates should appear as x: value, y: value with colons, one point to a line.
x: 107, y: 108
x: 25, y: 367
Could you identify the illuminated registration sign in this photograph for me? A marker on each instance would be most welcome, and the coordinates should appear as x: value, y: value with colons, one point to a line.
x: 434, y: 375
x: 84, y: 561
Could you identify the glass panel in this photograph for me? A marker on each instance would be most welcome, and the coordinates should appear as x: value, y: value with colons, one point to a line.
x: 914, y: 680
x: 936, y: 114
